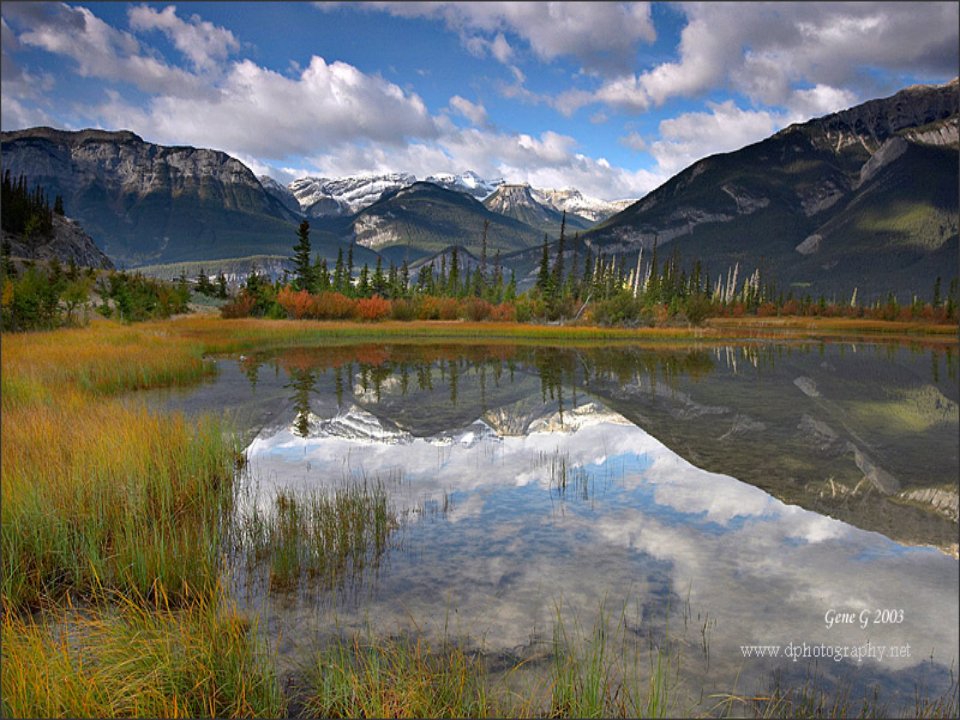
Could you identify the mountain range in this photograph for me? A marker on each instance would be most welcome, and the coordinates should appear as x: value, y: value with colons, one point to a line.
x: 863, y: 198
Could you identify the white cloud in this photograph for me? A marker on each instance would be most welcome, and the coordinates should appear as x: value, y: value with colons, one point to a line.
x: 634, y: 141
x: 602, y: 36
x: 257, y: 112
x: 98, y: 49
x: 203, y: 43
x: 691, y: 136
x: 766, y: 50
x: 473, y: 112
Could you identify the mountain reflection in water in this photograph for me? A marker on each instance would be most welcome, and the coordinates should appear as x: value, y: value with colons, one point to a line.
x: 551, y: 486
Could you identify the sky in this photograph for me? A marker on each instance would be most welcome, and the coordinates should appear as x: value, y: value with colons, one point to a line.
x: 610, y: 98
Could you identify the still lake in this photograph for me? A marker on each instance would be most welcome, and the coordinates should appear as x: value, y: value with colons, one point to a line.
x: 704, y: 500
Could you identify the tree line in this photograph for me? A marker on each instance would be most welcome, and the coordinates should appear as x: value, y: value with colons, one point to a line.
x: 572, y: 284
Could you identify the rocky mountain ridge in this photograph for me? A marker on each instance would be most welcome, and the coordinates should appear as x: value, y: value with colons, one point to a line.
x: 866, y: 198
x: 143, y: 202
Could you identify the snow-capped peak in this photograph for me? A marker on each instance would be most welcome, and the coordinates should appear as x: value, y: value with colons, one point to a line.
x: 573, y: 201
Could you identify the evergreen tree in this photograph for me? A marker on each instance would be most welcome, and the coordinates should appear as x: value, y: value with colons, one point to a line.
x: 454, y: 280
x: 404, y: 278
x: 378, y: 284
x: 363, y: 284
x: 303, y: 268
x: 339, y: 272
x: 556, y: 276
x: 510, y: 294
x: 321, y: 275
x: 58, y: 205
x: 349, y: 277
x: 481, y: 279
x: 221, y: 285
x: 543, y: 277
x: 203, y: 283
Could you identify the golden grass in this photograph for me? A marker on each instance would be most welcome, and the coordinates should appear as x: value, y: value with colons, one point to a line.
x: 137, y: 659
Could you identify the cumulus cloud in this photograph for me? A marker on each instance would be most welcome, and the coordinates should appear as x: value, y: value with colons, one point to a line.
x: 203, y: 43
x: 603, y: 37
x: 634, y: 141
x: 726, y: 127
x: 98, y: 49
x: 766, y: 51
x: 256, y: 111
x: 473, y: 112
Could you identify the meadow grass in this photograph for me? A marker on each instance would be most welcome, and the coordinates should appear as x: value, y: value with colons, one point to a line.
x: 137, y: 658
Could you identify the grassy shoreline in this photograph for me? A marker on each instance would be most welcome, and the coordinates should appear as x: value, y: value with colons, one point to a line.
x: 107, y: 502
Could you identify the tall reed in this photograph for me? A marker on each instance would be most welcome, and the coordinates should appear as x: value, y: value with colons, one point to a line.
x: 137, y: 658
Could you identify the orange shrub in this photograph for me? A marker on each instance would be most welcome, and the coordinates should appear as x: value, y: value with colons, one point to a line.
x: 790, y: 307
x: 438, y: 308
x: 477, y: 309
x: 240, y: 307
x: 449, y: 308
x: 767, y: 309
x: 373, y: 308
x: 333, y: 306
x: 298, y: 304
x: 504, y: 312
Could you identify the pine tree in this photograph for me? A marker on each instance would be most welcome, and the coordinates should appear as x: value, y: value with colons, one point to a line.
x: 303, y: 268
x: 379, y: 282
x: 557, y: 275
x: 338, y: 273
x: 543, y: 277
x: 480, y: 289
x: 454, y: 280
x: 349, y: 277
x: 321, y: 275
x: 363, y: 285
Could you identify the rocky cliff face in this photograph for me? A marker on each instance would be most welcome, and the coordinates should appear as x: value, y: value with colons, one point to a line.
x: 865, y: 198
x: 146, y: 202
x: 68, y: 244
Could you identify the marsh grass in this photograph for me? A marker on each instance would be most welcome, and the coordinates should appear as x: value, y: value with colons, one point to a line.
x: 135, y: 657
x: 108, y: 494
x: 400, y: 677
x: 325, y: 537
x: 600, y: 674
x: 97, y: 491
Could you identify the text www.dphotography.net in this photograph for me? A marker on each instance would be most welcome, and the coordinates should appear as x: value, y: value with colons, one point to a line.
x: 802, y: 650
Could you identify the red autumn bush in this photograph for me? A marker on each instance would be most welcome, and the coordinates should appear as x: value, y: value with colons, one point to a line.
x: 767, y: 309
x: 504, y: 312
x: 477, y: 309
x: 240, y: 307
x: 297, y: 303
x: 333, y: 306
x: 373, y: 308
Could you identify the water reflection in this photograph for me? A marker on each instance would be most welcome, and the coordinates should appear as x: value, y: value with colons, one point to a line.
x: 520, y: 479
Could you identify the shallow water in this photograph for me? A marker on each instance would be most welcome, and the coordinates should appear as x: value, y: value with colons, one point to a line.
x: 535, y: 484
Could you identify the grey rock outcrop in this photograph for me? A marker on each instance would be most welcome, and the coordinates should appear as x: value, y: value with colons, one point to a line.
x: 69, y: 243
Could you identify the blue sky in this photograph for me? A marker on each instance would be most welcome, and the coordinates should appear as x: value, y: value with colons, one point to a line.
x: 610, y: 98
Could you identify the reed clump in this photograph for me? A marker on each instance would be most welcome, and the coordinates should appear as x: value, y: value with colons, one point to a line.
x: 398, y: 678
x: 326, y: 537
x: 96, y: 489
x: 134, y: 657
